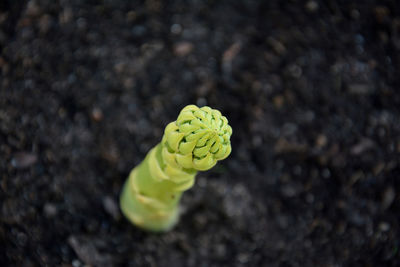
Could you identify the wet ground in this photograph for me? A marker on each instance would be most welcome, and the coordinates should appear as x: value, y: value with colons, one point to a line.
x: 310, y: 89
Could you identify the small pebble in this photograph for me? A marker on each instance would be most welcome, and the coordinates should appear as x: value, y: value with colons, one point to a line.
x: 321, y: 141
x: 388, y: 197
x: 97, y: 114
x: 276, y: 45
x: 362, y: 146
x: 355, y: 14
x: 139, y: 31
x: 176, y: 28
x: 312, y: 6
x: 183, y: 48
x: 384, y: 226
x: 22, y: 239
x: 201, y: 101
x: 359, y: 89
x: 257, y: 140
x: 243, y: 257
x: 111, y: 207
x: 76, y: 263
x: 131, y: 16
x: 289, y: 191
x: 32, y: 9
x: 278, y: 101
x: 23, y: 160
x: 326, y: 173
x: 50, y: 210
x: 45, y: 23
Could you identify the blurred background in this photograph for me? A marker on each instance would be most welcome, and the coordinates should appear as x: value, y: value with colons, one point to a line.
x: 310, y: 89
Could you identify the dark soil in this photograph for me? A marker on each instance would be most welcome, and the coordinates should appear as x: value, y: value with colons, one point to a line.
x: 310, y: 89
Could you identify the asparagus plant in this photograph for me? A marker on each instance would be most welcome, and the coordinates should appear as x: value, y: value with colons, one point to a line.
x: 194, y: 142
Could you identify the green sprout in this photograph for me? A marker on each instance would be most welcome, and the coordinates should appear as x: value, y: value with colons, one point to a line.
x: 194, y: 142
